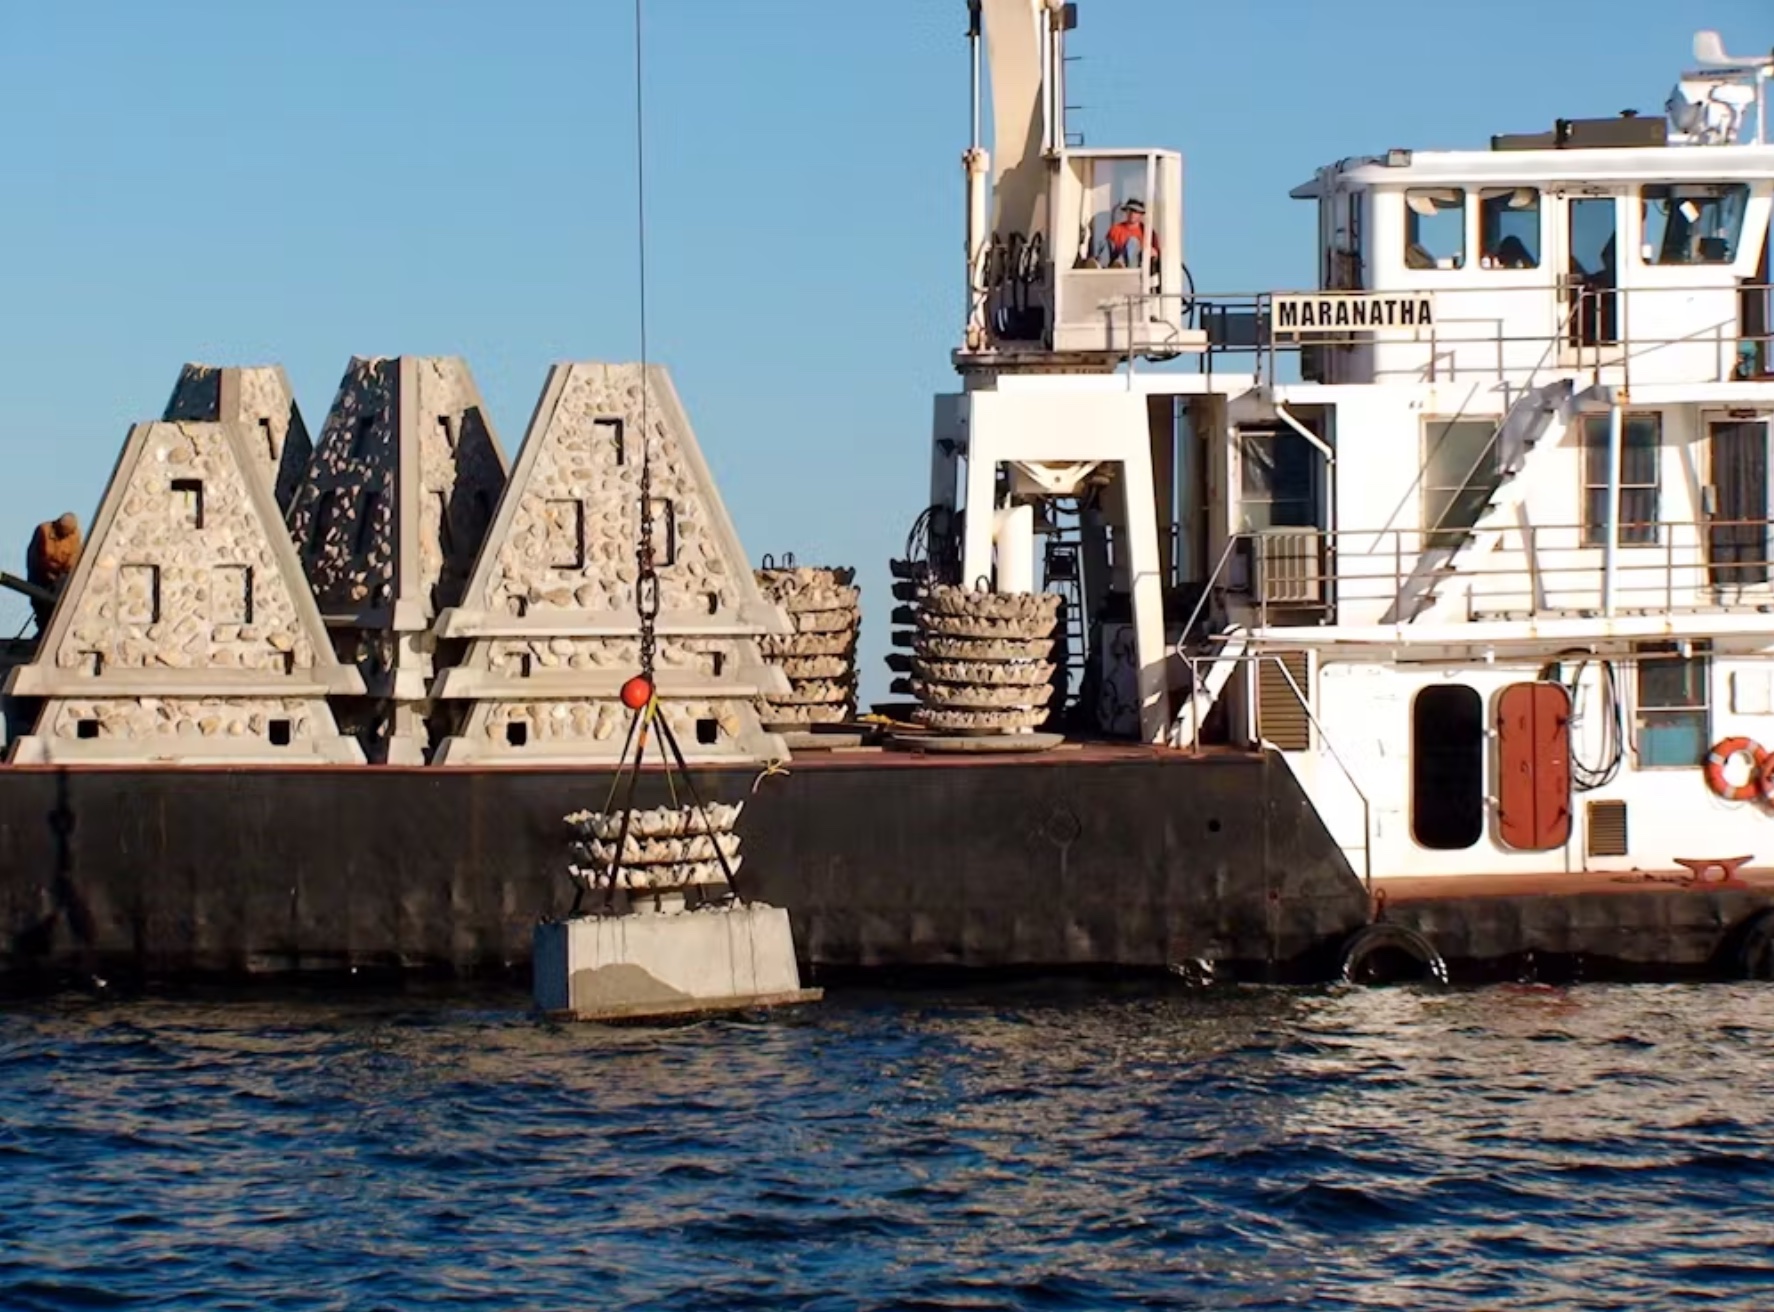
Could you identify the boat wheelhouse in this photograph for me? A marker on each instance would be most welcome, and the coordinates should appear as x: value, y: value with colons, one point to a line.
x: 1476, y: 533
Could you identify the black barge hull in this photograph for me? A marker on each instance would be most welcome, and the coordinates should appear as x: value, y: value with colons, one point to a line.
x: 1211, y: 866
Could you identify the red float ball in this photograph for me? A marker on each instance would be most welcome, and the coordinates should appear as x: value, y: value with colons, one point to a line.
x: 637, y: 692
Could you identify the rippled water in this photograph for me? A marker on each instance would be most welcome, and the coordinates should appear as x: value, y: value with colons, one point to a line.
x: 1595, y: 1147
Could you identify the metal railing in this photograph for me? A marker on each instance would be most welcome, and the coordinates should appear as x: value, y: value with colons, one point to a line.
x: 1478, y: 332
x: 1253, y: 661
x: 1532, y: 570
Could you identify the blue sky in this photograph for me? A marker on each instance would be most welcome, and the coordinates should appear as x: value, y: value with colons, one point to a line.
x: 250, y: 181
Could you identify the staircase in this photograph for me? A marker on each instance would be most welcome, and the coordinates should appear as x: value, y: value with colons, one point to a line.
x: 1213, y: 672
x: 1426, y: 592
x: 1064, y: 575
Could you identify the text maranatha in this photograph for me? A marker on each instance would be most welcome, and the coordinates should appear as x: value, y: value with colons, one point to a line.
x: 1294, y: 312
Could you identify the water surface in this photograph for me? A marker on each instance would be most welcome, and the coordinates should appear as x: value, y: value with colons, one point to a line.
x: 1595, y: 1147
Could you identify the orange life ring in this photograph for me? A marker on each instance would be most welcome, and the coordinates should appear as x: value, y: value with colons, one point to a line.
x: 1755, y: 786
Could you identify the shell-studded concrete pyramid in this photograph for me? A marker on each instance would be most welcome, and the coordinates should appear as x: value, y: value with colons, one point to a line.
x: 396, y: 501
x: 258, y: 397
x: 187, y: 631
x: 551, y: 614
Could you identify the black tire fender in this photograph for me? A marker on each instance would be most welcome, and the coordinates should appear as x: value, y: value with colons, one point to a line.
x: 1374, y: 952
x: 1753, y: 954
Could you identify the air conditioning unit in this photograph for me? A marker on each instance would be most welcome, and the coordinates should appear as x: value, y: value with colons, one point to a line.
x: 1288, y: 567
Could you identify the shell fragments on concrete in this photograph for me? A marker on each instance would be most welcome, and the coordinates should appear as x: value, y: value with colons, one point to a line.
x: 667, y: 850
x: 258, y: 397
x: 390, y: 516
x: 551, y: 614
x: 187, y: 632
x: 981, y: 661
x: 819, y: 658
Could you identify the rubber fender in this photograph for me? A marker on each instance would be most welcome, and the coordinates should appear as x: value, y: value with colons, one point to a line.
x: 1754, y: 955
x: 1375, y: 952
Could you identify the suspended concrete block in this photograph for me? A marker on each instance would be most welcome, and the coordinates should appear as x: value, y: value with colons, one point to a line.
x: 187, y: 632
x: 551, y: 617
x: 259, y: 398
x: 390, y: 515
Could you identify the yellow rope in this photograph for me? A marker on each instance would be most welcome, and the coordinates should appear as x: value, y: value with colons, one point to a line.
x: 771, y: 767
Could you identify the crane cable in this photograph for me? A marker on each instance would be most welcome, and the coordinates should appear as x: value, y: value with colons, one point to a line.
x: 640, y: 693
x: 647, y: 576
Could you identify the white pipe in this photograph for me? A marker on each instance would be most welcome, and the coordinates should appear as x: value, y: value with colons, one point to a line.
x: 1611, y: 544
x: 1330, y: 468
x: 977, y: 164
x: 1059, y: 78
x: 1045, y: 41
x: 1323, y: 447
x: 1013, y: 536
x: 973, y: 50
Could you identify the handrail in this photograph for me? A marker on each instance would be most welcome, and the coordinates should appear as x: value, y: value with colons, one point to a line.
x: 1206, y: 592
x: 1256, y: 658
x: 1540, y: 562
x: 1485, y: 328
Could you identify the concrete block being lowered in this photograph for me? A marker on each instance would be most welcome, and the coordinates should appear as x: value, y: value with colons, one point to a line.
x: 187, y: 631
x: 258, y: 397
x: 667, y: 933
x: 550, y: 615
x: 393, y: 508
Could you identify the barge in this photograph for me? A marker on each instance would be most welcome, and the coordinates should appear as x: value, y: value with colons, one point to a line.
x: 1418, y: 624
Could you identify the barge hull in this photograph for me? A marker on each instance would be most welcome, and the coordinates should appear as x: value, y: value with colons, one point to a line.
x: 1213, y: 867
x: 1084, y: 857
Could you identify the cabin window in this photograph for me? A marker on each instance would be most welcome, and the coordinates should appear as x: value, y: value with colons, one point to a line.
x: 1692, y: 222
x: 1671, y: 728
x: 1447, y: 767
x: 1435, y: 228
x: 1641, y: 447
x: 1459, y: 476
x: 1509, y: 228
x: 1277, y: 480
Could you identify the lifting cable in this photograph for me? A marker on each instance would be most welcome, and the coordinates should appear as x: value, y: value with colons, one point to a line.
x: 639, y: 693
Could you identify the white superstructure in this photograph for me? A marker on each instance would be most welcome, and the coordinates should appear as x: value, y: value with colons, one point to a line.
x: 1476, y: 533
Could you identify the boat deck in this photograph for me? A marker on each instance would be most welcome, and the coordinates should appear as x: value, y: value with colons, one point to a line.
x: 873, y: 756
x: 1405, y: 890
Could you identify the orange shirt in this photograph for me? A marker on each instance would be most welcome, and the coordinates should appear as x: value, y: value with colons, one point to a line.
x: 1126, y: 232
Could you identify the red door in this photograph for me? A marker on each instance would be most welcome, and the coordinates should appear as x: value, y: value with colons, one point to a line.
x: 1534, y: 766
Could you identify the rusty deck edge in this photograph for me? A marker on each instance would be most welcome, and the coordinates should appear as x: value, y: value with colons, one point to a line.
x: 1414, y: 890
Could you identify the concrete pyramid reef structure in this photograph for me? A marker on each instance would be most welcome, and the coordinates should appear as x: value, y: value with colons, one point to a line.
x: 550, y: 614
x: 187, y: 632
x: 258, y: 397
x: 395, y: 504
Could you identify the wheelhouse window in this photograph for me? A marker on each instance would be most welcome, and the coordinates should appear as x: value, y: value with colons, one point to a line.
x: 1447, y: 767
x: 1459, y: 475
x: 1509, y: 228
x: 1692, y: 222
x: 1344, y: 257
x: 1435, y: 228
x: 1672, y: 721
x: 1641, y: 448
